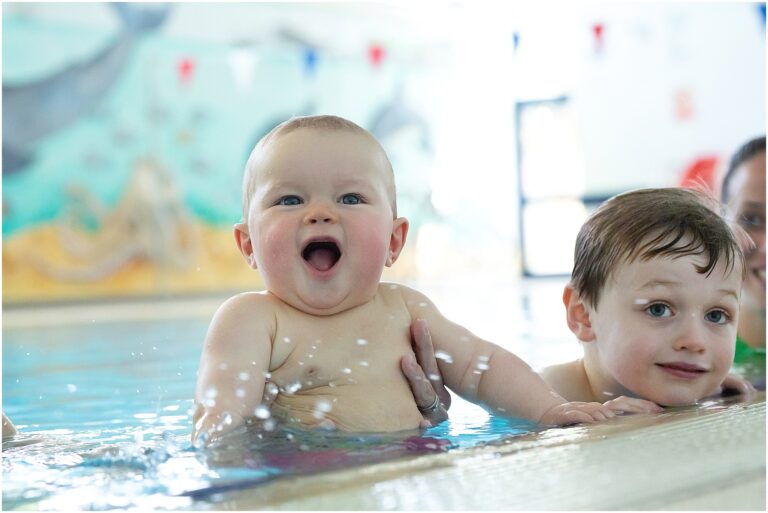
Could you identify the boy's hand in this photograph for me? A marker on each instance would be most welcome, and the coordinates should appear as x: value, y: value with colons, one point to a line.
x: 626, y: 404
x: 733, y: 385
x: 576, y: 413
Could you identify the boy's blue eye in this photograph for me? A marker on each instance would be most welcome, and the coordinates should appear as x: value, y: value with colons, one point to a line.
x: 717, y: 316
x: 351, y: 199
x: 658, y: 310
x: 289, y: 201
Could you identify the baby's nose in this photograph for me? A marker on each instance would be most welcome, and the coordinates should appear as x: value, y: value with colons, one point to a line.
x: 320, y: 214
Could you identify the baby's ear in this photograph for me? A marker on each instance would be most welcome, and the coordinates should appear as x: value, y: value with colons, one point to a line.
x: 397, y: 239
x: 577, y: 314
x: 244, y: 244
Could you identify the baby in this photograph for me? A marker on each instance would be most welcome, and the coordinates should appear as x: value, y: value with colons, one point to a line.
x: 320, y: 225
x: 654, y: 300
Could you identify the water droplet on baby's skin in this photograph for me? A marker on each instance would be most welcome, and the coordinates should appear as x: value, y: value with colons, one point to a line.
x: 361, y: 342
x: 363, y: 363
x: 262, y: 412
x: 301, y: 363
x: 442, y: 355
x: 434, y: 377
x: 267, y: 374
x: 293, y: 388
x: 287, y: 340
x: 322, y: 407
x: 346, y: 370
x: 482, y: 366
x: 422, y: 304
x: 227, y: 419
x: 240, y: 393
x: 272, y: 389
x: 223, y: 366
x: 244, y: 376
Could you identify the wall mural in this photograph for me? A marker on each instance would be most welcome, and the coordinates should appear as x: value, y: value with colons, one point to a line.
x: 122, y: 168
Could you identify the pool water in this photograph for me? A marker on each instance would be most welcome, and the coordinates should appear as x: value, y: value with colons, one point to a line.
x: 104, y: 412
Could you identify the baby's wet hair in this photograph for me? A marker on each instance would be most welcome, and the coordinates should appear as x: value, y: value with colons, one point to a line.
x: 651, y: 223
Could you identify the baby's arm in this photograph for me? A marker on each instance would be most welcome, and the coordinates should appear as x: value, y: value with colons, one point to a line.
x: 484, y: 372
x: 235, y: 360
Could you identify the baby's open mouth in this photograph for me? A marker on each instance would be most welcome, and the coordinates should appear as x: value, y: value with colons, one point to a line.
x: 322, y: 255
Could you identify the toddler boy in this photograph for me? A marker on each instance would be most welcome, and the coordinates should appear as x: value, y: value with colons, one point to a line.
x: 654, y: 300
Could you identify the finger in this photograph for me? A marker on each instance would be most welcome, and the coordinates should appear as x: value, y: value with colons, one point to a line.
x: 425, y: 354
x: 421, y: 387
x: 579, y: 417
x: 423, y: 392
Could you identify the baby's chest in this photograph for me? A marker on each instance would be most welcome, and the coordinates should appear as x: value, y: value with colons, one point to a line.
x: 360, y: 351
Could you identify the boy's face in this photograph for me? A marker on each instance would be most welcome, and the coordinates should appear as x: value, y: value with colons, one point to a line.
x: 664, y: 332
x: 320, y: 224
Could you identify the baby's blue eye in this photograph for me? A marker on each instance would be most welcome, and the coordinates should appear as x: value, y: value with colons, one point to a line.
x: 717, y: 316
x: 289, y: 201
x: 351, y: 199
x: 659, y: 310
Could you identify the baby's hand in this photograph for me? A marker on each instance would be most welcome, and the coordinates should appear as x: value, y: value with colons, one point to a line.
x: 576, y: 413
x: 733, y: 384
x: 626, y: 404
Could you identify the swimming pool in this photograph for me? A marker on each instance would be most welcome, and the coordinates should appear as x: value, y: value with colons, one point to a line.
x: 104, y: 410
x: 102, y: 396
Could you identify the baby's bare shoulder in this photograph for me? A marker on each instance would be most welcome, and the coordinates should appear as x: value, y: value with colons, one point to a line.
x: 396, y: 291
x: 247, y: 313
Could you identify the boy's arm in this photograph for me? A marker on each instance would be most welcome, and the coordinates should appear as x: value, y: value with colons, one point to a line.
x: 484, y: 372
x: 235, y: 360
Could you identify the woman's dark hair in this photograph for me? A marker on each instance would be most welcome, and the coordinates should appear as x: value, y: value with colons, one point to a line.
x: 742, y: 155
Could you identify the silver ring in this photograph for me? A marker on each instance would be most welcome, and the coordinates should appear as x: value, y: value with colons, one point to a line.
x: 432, y: 407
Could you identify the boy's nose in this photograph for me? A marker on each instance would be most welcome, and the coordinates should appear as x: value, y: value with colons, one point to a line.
x: 691, y: 338
x: 320, y: 214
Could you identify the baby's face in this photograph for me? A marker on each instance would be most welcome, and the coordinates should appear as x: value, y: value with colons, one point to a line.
x: 321, y: 219
x: 665, y: 332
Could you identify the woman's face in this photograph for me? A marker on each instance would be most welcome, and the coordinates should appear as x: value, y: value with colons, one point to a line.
x: 747, y: 202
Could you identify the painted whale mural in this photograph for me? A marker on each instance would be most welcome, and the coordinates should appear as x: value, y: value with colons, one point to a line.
x: 36, y: 109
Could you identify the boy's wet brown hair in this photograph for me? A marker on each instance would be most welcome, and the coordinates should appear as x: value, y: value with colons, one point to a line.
x: 650, y: 223
x: 319, y: 122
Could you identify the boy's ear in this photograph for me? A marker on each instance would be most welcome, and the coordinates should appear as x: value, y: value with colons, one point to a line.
x: 244, y: 244
x: 577, y: 314
x: 397, y: 240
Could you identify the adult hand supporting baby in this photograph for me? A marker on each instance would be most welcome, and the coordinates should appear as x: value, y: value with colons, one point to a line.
x: 424, y: 377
